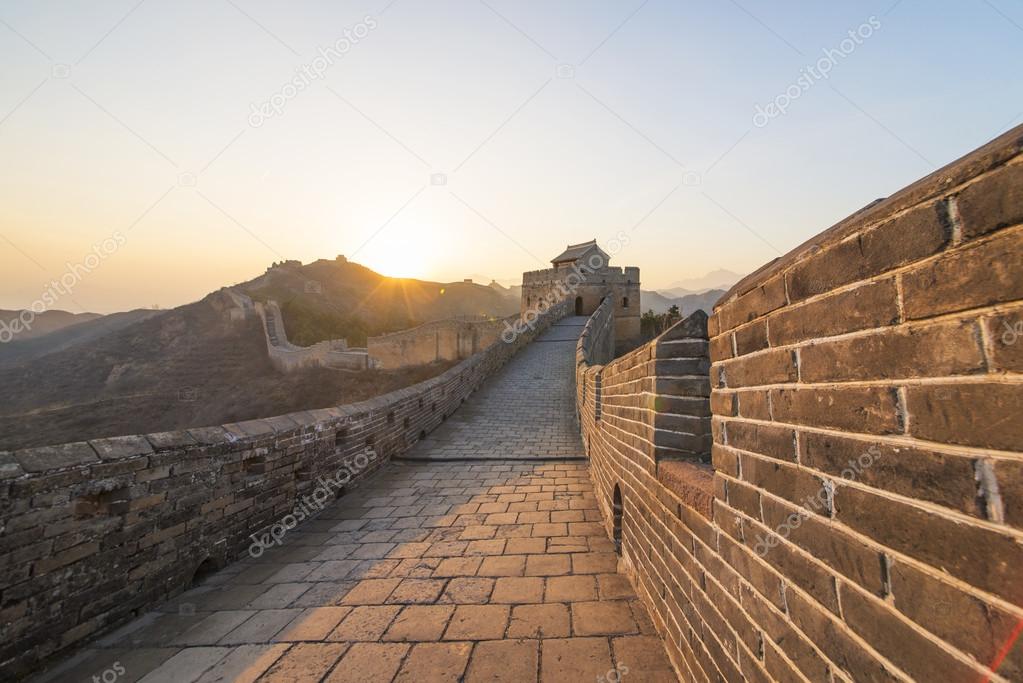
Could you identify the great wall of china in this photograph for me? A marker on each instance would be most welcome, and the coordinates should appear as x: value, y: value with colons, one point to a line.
x: 821, y: 481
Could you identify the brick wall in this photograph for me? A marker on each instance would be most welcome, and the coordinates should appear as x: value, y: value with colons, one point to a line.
x: 435, y: 341
x: 94, y: 533
x: 864, y: 521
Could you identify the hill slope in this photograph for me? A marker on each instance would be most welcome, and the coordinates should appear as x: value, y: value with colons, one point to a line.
x: 191, y: 366
x: 332, y: 299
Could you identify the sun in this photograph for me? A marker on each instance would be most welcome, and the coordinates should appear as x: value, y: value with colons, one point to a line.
x: 404, y: 259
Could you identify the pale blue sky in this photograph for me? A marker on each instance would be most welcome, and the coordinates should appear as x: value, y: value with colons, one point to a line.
x: 110, y: 109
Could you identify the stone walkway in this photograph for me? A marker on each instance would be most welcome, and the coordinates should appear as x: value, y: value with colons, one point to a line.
x: 525, y: 411
x: 430, y: 572
x: 495, y: 570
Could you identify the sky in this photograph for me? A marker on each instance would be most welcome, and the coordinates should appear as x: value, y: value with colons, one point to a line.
x: 155, y: 151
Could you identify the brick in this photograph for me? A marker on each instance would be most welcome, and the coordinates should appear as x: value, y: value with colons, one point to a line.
x: 868, y: 306
x: 760, y: 300
x: 776, y: 366
x: 829, y: 544
x: 754, y: 405
x: 778, y: 629
x: 975, y: 414
x: 47, y: 458
x: 918, y: 233
x: 977, y: 274
x: 942, y: 478
x: 920, y: 657
x: 960, y: 618
x: 995, y: 202
x: 1005, y: 332
x: 303, y: 663
x: 117, y: 447
x: 836, y: 642
x: 1009, y: 475
x: 723, y: 403
x: 770, y: 440
x: 752, y: 337
x: 945, y: 349
x: 720, y: 348
x: 870, y: 410
x: 937, y: 540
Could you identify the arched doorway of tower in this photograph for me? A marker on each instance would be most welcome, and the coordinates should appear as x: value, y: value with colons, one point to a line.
x: 578, y: 305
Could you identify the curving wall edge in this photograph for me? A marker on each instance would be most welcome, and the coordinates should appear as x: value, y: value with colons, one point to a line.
x: 94, y: 533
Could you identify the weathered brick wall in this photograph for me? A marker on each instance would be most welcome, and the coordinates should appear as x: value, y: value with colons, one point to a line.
x: 865, y: 523
x: 93, y: 533
x: 435, y: 341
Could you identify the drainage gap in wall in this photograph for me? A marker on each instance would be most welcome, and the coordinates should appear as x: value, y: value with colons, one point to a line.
x: 405, y: 423
x: 206, y: 568
x: 390, y: 417
x: 339, y: 437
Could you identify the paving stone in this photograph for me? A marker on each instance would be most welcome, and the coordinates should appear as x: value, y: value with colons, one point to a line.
x: 645, y: 658
x: 504, y: 661
x: 458, y: 566
x: 420, y: 623
x: 435, y: 662
x: 244, y: 664
x: 574, y: 659
x: 594, y: 563
x: 260, y: 627
x: 371, y: 592
x: 548, y: 565
x: 477, y: 622
x: 315, y: 623
x: 467, y: 590
x: 502, y: 565
x: 187, y: 665
x: 571, y: 589
x: 369, y: 663
x: 614, y: 586
x: 279, y: 595
x: 367, y: 623
x: 214, y: 627
x: 525, y: 546
x: 305, y: 663
x: 518, y: 590
x: 539, y: 621
x: 417, y: 591
x: 602, y: 618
